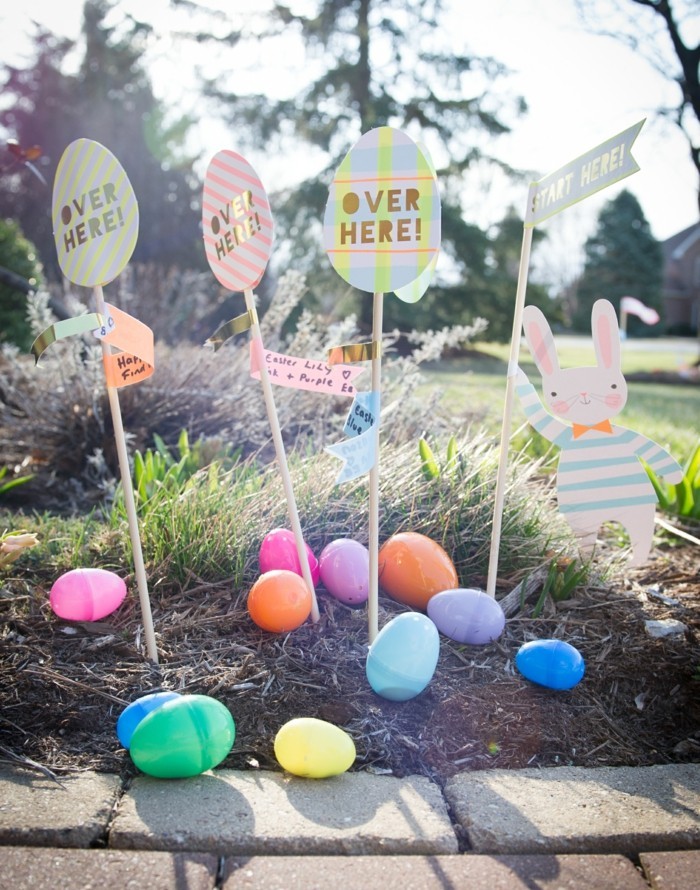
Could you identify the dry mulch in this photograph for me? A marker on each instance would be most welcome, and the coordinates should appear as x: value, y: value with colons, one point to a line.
x: 63, y: 685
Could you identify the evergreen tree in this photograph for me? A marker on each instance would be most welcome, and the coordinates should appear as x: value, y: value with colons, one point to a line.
x: 110, y: 100
x: 19, y: 271
x: 622, y: 258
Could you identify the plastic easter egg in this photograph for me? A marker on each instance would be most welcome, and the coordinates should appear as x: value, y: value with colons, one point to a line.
x: 134, y: 713
x: 86, y: 594
x: 402, y: 659
x: 279, y: 551
x: 467, y: 615
x: 552, y: 663
x: 183, y: 737
x: 279, y: 601
x: 313, y: 748
x: 412, y: 569
x: 344, y: 568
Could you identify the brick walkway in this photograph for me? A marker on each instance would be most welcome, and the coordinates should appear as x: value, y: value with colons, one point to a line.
x: 598, y: 829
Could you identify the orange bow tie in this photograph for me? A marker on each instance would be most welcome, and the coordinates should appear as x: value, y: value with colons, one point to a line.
x: 581, y: 428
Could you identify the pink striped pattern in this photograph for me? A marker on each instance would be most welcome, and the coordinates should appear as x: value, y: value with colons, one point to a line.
x: 236, y: 222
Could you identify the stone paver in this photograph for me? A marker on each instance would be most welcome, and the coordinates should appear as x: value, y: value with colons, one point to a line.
x: 672, y: 871
x: 252, y: 813
x: 571, y: 809
x: 423, y: 872
x: 37, y: 811
x: 34, y: 868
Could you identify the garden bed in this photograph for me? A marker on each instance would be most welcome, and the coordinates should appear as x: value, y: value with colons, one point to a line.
x: 63, y: 685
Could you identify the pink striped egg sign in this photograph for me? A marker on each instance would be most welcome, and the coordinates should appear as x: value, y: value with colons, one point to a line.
x: 95, y: 214
x: 236, y: 222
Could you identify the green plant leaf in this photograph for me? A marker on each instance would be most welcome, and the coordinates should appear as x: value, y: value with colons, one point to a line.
x: 430, y: 468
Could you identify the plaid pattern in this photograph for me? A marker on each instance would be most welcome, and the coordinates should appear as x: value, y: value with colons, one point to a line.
x: 95, y: 214
x: 382, y: 159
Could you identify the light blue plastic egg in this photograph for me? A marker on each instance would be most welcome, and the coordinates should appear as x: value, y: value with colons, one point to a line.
x: 134, y: 713
x: 467, y: 615
x: 183, y: 737
x: 402, y: 659
x: 552, y: 663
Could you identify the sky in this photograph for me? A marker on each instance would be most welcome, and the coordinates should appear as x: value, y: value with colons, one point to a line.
x: 581, y: 89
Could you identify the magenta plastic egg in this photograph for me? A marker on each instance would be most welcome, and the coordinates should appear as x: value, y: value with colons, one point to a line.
x: 552, y: 663
x: 344, y: 569
x: 279, y: 551
x: 467, y: 615
x: 86, y: 594
x: 402, y: 659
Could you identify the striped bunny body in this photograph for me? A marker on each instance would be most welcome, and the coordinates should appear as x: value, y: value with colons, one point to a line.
x: 600, y: 475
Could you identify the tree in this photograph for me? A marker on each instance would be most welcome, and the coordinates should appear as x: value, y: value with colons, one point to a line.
x: 18, y: 258
x: 373, y: 63
x: 109, y: 99
x: 622, y: 258
x: 664, y: 37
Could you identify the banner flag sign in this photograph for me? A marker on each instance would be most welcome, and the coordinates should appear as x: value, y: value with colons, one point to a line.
x: 598, y: 168
x: 359, y: 452
x: 302, y: 373
x: 95, y: 214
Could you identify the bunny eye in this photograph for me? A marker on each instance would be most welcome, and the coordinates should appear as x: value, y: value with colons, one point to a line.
x: 553, y: 394
x: 613, y: 386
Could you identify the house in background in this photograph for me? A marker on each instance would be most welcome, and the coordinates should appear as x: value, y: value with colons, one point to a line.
x: 680, y: 288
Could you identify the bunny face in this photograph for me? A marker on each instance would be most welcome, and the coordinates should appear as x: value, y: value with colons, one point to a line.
x: 585, y: 395
x: 581, y: 395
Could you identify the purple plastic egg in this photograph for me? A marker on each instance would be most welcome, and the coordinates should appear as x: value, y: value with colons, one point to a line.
x: 344, y: 568
x: 467, y: 616
x: 279, y: 551
x: 552, y: 663
x: 86, y: 594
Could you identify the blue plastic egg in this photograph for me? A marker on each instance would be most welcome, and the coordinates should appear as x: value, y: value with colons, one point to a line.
x: 183, y: 737
x: 134, y: 713
x: 402, y: 659
x: 467, y: 616
x: 552, y: 663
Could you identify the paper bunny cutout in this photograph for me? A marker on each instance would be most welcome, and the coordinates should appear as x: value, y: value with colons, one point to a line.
x: 600, y: 477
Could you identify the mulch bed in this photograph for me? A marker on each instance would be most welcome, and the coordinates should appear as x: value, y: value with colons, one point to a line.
x: 63, y: 685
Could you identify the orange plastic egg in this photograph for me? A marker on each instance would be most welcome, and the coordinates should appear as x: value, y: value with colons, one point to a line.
x: 279, y: 601
x: 412, y: 569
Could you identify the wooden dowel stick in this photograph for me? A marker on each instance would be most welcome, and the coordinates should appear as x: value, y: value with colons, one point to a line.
x: 282, y: 459
x: 373, y: 598
x: 507, y: 411
x: 129, y: 502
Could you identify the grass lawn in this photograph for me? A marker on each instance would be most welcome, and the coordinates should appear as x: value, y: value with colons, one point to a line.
x: 474, y: 385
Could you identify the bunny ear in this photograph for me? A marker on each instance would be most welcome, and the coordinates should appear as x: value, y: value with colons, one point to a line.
x: 539, y: 338
x: 606, y: 334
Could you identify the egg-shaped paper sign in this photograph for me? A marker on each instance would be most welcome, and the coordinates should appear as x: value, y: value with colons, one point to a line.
x: 381, y: 227
x: 236, y: 221
x: 95, y: 214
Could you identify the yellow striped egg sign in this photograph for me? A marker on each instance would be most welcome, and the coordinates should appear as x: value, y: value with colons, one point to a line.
x: 381, y: 228
x: 95, y: 214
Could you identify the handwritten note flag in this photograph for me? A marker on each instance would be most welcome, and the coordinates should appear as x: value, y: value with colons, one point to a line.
x: 587, y: 174
x: 381, y: 231
x: 238, y: 233
x: 96, y: 220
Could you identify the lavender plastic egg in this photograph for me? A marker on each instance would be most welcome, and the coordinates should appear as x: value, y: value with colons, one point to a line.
x: 279, y: 551
x: 86, y: 594
x: 467, y: 615
x: 344, y: 568
x: 134, y: 713
x: 402, y: 659
x: 552, y: 663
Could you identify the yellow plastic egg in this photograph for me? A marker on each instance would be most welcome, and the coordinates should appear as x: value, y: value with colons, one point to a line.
x: 313, y: 748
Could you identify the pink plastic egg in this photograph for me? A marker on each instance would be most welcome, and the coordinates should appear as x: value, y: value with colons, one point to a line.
x: 86, y: 594
x: 467, y: 616
x: 344, y: 567
x: 279, y: 551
